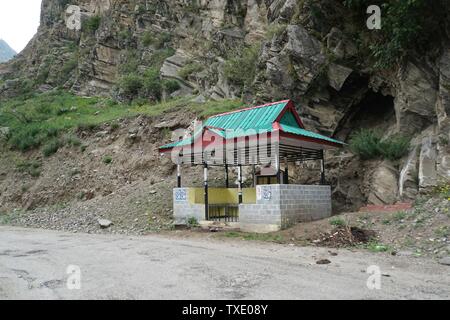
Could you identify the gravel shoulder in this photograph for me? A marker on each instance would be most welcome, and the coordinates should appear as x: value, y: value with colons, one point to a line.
x: 33, y: 265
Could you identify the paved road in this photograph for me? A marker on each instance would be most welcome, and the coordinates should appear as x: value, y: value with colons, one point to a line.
x: 33, y: 265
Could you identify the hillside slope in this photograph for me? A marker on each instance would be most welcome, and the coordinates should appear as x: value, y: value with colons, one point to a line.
x: 342, y: 76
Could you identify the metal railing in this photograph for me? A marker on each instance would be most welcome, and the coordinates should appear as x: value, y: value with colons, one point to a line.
x: 223, y: 212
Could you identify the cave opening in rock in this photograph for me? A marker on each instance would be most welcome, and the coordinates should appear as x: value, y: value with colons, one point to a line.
x: 374, y: 111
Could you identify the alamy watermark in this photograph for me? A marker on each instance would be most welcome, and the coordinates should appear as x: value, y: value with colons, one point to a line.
x: 73, y: 21
x: 374, y: 280
x: 220, y: 146
x: 74, y: 278
x: 374, y: 20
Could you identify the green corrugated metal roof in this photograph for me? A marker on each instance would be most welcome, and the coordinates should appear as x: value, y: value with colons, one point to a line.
x: 306, y: 133
x: 258, y: 118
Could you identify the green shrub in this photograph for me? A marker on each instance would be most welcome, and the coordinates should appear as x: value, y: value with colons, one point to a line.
x: 406, y: 26
x: 68, y: 67
x: 131, y: 63
x: 365, y: 143
x: 152, y: 84
x: 275, y: 29
x: 338, y: 222
x: 157, y: 40
x: 115, y: 125
x: 72, y: 140
x: 192, y: 222
x: 241, y: 69
x: 31, y: 167
x: 107, y: 159
x: 375, y: 246
x: 125, y: 35
x: 368, y: 144
x: 400, y: 215
x: 51, y: 147
x: 92, y: 24
x: 130, y: 85
x: 171, y: 86
x: 24, y: 139
x: 157, y: 59
x: 395, y: 147
x: 190, y: 68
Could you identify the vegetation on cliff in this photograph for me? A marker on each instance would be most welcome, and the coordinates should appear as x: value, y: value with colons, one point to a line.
x: 408, y: 28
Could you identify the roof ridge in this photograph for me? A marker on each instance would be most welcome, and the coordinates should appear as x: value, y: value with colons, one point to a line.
x: 249, y: 108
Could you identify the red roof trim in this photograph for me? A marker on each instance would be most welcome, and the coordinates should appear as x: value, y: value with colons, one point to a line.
x: 290, y: 107
x: 309, y: 139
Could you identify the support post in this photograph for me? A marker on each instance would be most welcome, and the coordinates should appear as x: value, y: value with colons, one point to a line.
x: 205, y: 182
x: 240, y: 183
x: 254, y: 175
x: 277, y: 164
x: 178, y: 176
x: 227, y: 182
x: 322, y: 169
x: 286, y: 171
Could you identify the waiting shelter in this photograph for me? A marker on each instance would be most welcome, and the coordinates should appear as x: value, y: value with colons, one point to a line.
x: 265, y: 138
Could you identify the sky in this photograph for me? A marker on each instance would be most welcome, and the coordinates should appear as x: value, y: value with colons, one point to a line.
x: 19, y: 20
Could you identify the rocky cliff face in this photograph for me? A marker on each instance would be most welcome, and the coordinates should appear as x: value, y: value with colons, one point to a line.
x: 301, y: 50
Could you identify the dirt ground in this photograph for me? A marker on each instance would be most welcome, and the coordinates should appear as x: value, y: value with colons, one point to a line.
x: 35, y: 263
x: 423, y: 230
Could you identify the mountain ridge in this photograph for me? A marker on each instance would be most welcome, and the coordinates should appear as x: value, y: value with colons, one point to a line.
x: 6, y: 52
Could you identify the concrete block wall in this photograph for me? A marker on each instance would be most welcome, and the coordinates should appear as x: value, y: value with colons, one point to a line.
x: 281, y: 205
x: 277, y: 206
x: 183, y: 209
x: 300, y: 203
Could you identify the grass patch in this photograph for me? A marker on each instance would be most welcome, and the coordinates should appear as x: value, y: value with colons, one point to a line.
x: 192, y: 222
x: 51, y: 147
x: 399, y: 216
x: 442, y: 232
x: 37, y: 121
x: 158, y: 40
x: 210, y: 108
x: 31, y: 167
x: 92, y: 24
x: 375, y: 246
x: 339, y: 222
x: 107, y: 159
x: 8, y: 218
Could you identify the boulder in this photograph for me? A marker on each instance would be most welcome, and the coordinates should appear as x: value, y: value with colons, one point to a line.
x: 408, y: 178
x: 296, y: 62
x: 415, y: 100
x: 443, y: 102
x: 445, y: 261
x: 384, y: 185
x: 104, y: 223
x: 255, y: 20
x: 339, y: 45
x: 427, y: 163
x: 443, y: 162
x: 337, y: 75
